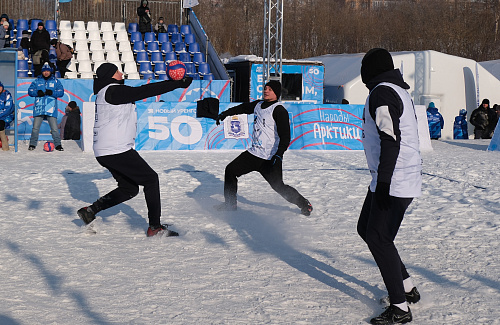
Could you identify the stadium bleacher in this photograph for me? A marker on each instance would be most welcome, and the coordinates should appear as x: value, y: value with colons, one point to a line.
x: 135, y: 54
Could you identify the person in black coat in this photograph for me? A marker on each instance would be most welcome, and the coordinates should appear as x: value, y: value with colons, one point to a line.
x: 144, y: 17
x: 480, y: 119
x: 40, y: 41
x: 73, y: 121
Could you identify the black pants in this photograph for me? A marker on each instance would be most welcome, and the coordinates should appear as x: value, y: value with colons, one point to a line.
x: 61, y: 65
x: 130, y: 171
x: 246, y: 163
x: 378, y: 229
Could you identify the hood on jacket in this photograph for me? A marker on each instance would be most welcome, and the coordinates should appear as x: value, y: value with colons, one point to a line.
x: 375, y: 62
x: 463, y: 112
x: 393, y: 77
x: 144, y: 2
x: 432, y: 110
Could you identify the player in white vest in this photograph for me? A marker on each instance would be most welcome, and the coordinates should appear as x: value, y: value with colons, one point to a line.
x: 270, y: 140
x: 114, y: 137
x: 391, y: 144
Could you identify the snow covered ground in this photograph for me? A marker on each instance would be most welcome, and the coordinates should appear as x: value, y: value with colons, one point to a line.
x: 263, y: 264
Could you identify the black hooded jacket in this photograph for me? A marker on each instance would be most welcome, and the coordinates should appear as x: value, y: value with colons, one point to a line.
x: 40, y: 40
x: 144, y: 18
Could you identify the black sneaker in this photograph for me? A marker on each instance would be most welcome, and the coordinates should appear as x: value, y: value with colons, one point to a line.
x: 31, y: 148
x: 306, y: 210
x: 59, y: 148
x: 86, y: 214
x: 158, y: 230
x: 393, y: 315
x: 413, y: 296
x: 225, y: 207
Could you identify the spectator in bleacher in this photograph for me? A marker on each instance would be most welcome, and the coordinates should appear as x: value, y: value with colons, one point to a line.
x: 6, y: 114
x: 4, y: 19
x: 40, y: 45
x: 160, y: 26
x: 64, y: 56
x: 3, y: 34
x: 144, y: 18
x: 46, y: 89
x: 25, y: 43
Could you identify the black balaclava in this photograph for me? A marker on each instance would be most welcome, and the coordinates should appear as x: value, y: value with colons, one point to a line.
x: 275, y: 86
x: 375, y: 62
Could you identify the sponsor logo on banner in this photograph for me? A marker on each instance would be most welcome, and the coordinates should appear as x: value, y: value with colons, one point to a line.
x: 236, y: 127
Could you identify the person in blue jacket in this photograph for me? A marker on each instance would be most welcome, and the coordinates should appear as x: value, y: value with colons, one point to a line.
x: 6, y: 114
x: 435, y: 120
x: 460, y: 126
x: 46, y: 89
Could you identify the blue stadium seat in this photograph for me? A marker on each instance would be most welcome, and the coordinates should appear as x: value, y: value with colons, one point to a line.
x: 148, y: 75
x: 194, y: 47
x: 22, y: 65
x: 153, y: 46
x: 34, y: 24
x: 135, y: 37
x: 175, y: 37
x: 163, y: 76
x: 26, y: 54
x: 53, y: 34
x: 145, y: 67
x: 156, y: 57
x: 50, y: 25
x: 22, y: 24
x: 170, y: 56
x: 198, y: 57
x: 184, y: 57
x: 162, y: 37
x: 132, y: 27
x: 172, y: 28
x: 203, y: 68
x: 149, y: 37
x: 139, y: 47
x: 208, y: 76
x: 195, y: 76
x: 160, y: 68
x: 185, y: 29
x: 52, y: 53
x: 180, y: 47
x: 166, y: 47
x: 190, y: 68
x: 189, y: 38
x: 22, y: 74
x: 142, y: 57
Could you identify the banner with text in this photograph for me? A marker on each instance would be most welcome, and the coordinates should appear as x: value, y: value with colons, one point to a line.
x: 174, y: 126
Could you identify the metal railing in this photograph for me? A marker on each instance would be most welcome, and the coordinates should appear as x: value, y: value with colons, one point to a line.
x: 91, y: 10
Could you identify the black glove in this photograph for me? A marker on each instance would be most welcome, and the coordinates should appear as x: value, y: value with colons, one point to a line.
x: 40, y: 93
x: 48, y: 92
x: 382, y: 196
x: 276, y: 159
x: 220, y: 117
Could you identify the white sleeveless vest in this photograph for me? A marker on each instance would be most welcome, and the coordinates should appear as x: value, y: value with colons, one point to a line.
x: 115, y: 126
x: 406, y: 181
x: 265, y: 139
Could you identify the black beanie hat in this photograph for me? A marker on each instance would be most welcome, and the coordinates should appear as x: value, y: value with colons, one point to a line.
x: 375, y: 62
x: 40, y: 23
x: 275, y: 86
x: 72, y: 104
x: 485, y: 101
x: 106, y: 70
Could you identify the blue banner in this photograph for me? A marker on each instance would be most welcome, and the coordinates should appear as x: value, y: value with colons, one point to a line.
x: 312, y: 81
x: 81, y: 90
x: 174, y: 126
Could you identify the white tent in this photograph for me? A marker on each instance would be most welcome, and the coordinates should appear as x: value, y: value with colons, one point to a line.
x: 451, y: 82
